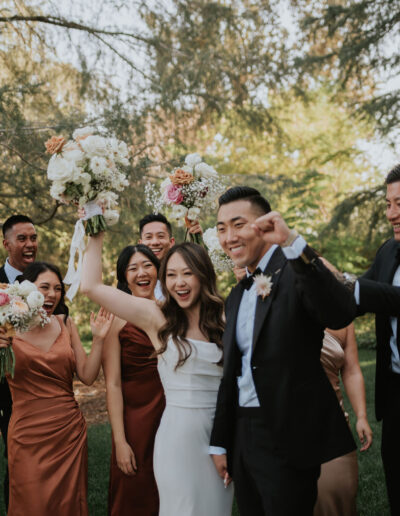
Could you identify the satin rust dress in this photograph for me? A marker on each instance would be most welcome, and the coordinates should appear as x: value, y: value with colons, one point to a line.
x: 47, y: 446
x: 144, y: 403
x: 338, y: 483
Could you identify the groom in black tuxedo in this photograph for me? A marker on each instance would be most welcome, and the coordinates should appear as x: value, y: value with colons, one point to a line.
x: 20, y: 242
x: 277, y: 417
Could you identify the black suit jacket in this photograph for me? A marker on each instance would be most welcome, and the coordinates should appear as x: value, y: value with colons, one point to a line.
x: 377, y: 295
x: 305, y: 422
x: 5, y: 395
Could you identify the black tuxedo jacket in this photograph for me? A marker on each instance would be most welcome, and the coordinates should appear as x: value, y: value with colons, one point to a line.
x: 3, y: 276
x: 304, y: 420
x: 377, y: 295
x: 5, y: 395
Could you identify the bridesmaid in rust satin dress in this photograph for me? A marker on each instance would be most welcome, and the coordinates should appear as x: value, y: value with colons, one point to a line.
x: 338, y: 482
x: 135, y: 397
x: 47, y: 445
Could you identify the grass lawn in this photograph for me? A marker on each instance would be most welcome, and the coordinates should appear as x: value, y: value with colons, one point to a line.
x: 372, y: 499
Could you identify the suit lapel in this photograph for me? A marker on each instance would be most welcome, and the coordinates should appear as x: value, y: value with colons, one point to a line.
x: 231, y: 319
x: 273, y: 269
x: 392, y: 264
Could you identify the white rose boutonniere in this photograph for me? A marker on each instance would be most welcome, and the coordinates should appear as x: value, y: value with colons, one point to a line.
x: 263, y: 285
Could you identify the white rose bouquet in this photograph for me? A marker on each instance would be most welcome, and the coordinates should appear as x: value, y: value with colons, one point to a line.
x: 20, y: 310
x: 87, y: 171
x: 220, y: 260
x: 187, y: 192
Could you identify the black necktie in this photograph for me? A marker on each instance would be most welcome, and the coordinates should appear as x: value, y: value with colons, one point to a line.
x: 248, y: 281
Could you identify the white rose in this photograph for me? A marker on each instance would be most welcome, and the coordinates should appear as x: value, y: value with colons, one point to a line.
x: 35, y: 300
x: 60, y: 169
x: 193, y: 213
x: 204, y: 170
x: 94, y: 146
x: 111, y: 217
x: 211, y: 240
x: 56, y: 190
x: 98, y: 165
x: 85, y: 178
x: 107, y: 199
x: 193, y: 159
x: 26, y: 287
x: 82, y: 133
x: 179, y: 211
x: 72, y: 152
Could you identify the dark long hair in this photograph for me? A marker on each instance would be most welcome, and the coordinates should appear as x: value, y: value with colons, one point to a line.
x: 124, y: 259
x: 32, y: 272
x: 211, y: 304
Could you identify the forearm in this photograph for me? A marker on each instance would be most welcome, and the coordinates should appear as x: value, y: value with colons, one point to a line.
x: 379, y: 298
x: 115, y: 407
x: 353, y: 382
x: 89, y: 369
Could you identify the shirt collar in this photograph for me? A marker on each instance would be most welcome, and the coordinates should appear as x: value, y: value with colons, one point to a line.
x: 11, y: 272
x: 262, y: 264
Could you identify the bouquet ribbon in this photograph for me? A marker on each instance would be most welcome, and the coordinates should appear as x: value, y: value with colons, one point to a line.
x: 73, y: 276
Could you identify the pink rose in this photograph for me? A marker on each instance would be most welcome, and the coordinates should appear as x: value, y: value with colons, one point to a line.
x: 4, y: 299
x: 173, y: 194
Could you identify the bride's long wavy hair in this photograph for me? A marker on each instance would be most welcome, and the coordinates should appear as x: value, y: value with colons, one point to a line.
x: 211, y: 303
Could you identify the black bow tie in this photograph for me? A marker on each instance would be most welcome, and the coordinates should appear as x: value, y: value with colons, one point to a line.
x: 248, y: 281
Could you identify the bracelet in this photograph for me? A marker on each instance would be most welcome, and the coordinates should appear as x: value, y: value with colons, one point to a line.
x: 290, y: 239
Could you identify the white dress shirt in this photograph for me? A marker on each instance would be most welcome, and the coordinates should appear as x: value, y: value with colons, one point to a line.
x: 245, y: 328
x: 158, y: 292
x: 11, y: 272
x: 395, y: 360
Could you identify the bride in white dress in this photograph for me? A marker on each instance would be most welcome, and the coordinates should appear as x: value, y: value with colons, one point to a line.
x: 186, y: 332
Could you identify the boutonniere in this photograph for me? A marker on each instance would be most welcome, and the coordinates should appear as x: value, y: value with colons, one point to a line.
x: 263, y: 285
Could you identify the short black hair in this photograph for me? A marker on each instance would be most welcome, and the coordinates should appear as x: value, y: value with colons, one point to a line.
x: 123, y: 262
x: 245, y: 193
x: 15, y: 219
x: 154, y: 217
x: 393, y: 176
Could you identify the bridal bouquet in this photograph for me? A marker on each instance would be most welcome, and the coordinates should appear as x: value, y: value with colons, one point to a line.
x: 20, y: 310
x: 187, y: 192
x: 220, y: 260
x: 87, y: 171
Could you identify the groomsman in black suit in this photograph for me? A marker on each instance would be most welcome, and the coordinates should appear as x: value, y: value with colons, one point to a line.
x: 277, y: 417
x: 20, y: 242
x: 378, y: 291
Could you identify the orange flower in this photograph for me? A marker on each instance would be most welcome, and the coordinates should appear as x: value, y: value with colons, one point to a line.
x: 19, y: 307
x: 180, y: 177
x: 55, y: 144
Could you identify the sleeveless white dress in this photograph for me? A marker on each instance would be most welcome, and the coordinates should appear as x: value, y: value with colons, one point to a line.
x: 188, y: 483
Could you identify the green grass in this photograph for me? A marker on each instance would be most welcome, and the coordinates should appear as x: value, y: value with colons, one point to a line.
x: 372, y: 500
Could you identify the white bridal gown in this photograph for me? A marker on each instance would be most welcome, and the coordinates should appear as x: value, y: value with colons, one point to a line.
x: 187, y: 480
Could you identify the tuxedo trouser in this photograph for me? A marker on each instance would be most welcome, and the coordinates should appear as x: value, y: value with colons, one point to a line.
x: 390, y: 443
x: 5, y: 414
x: 265, y: 484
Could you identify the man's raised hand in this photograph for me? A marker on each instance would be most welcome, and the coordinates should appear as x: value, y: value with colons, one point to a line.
x: 272, y: 228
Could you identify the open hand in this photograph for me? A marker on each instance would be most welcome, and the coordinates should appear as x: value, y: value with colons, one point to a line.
x: 272, y: 228
x: 126, y: 460
x: 101, y: 323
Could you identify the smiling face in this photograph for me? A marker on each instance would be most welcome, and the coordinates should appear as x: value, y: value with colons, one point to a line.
x: 393, y: 207
x: 236, y: 236
x: 141, y: 275
x: 50, y: 286
x: 155, y: 235
x: 182, y: 284
x: 20, y: 241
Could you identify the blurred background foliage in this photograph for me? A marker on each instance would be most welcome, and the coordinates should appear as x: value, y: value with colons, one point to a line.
x: 284, y: 96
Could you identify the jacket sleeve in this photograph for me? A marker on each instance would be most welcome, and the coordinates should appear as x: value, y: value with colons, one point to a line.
x: 379, y: 298
x: 327, y: 300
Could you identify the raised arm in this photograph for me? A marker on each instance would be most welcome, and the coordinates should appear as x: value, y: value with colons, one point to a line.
x: 143, y: 313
